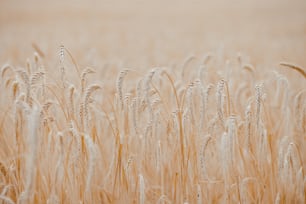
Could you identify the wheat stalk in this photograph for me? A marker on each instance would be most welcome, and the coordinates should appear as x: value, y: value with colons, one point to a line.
x: 294, y: 67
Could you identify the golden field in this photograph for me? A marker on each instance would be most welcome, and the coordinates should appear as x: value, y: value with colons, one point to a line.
x: 152, y: 101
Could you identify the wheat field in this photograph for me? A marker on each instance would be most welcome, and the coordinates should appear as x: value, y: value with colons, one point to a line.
x: 153, y: 101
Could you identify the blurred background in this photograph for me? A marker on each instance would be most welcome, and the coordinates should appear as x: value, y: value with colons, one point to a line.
x: 142, y: 33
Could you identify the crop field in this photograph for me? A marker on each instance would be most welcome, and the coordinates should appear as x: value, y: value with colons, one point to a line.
x: 152, y: 101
